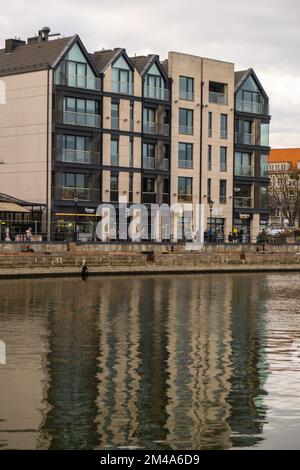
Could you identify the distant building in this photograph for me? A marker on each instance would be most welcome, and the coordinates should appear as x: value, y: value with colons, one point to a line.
x: 284, y: 190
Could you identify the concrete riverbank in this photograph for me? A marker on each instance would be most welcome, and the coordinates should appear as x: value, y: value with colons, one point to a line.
x: 62, y: 260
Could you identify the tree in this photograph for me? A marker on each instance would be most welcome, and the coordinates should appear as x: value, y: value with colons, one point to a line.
x: 284, y: 194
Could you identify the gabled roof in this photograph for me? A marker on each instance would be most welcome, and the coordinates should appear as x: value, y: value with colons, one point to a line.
x: 105, y: 58
x: 142, y: 62
x: 241, y: 76
x: 34, y: 56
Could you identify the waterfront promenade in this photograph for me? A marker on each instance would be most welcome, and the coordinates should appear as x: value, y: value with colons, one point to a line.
x: 53, y: 259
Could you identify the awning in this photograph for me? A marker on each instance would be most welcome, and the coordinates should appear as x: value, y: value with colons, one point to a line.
x: 11, y: 207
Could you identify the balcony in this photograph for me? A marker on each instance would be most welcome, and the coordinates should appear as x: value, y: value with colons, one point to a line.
x: 218, y: 98
x: 183, y: 163
x: 251, y: 107
x: 186, y: 95
x: 76, y: 156
x: 83, y: 194
x: 155, y: 128
x: 114, y: 160
x: 166, y: 164
x: 222, y: 199
x: 156, y: 93
x: 125, y: 88
x: 115, y: 123
x: 149, y: 163
x: 188, y: 130
x: 243, y: 138
x: 81, y: 119
x: 77, y: 81
x: 185, y: 198
x: 223, y: 134
x: 149, y: 198
x: 243, y: 202
x: 243, y: 170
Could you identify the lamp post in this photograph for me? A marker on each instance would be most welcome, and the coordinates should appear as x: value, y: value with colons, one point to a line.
x: 75, y: 198
x: 211, y: 205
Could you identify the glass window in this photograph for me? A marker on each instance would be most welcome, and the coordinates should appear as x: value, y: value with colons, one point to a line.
x: 223, y: 126
x: 149, y: 150
x: 185, y: 185
x: 115, y: 115
x: 264, y: 165
x: 263, y: 192
x: 114, y: 182
x: 222, y: 193
x: 186, y: 88
x: 208, y: 189
x: 209, y: 157
x: 223, y: 158
x: 209, y: 124
x: 122, y: 77
x: 148, y: 185
x: 185, y: 155
x: 186, y: 121
x: 264, y: 134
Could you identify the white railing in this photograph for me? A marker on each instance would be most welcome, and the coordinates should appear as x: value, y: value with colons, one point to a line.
x: 218, y: 98
x: 77, y: 81
x: 156, y: 93
x: 122, y: 87
x: 243, y: 170
x: 81, y: 119
x: 149, y: 163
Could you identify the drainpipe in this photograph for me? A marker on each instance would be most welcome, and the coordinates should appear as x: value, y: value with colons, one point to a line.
x: 48, y: 207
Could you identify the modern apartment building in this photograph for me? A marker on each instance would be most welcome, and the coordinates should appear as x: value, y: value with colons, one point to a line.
x: 78, y: 129
x: 251, y: 149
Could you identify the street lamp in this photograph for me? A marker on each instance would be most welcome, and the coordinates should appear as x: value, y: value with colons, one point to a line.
x: 75, y: 198
x: 211, y: 205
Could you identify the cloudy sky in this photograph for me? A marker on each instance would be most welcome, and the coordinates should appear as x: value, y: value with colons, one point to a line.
x: 263, y: 34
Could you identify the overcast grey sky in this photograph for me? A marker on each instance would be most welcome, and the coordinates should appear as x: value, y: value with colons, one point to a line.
x: 263, y: 34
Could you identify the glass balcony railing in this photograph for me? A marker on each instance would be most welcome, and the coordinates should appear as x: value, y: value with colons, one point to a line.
x: 251, y: 107
x: 115, y: 123
x: 122, y: 87
x: 223, y: 134
x: 222, y: 199
x: 68, y: 193
x: 149, y: 163
x: 243, y: 138
x: 114, y: 160
x: 184, y: 163
x: 156, y: 93
x: 155, y: 128
x: 189, y: 130
x: 81, y: 119
x: 77, y: 81
x: 243, y: 202
x: 243, y: 170
x: 186, y: 95
x: 76, y: 156
x: 218, y: 98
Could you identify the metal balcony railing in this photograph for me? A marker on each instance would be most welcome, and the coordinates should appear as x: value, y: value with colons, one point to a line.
x: 186, y: 95
x: 155, y: 128
x: 223, y: 166
x: 243, y: 170
x: 77, y: 81
x: 218, y: 98
x: 114, y: 160
x: 76, y: 156
x: 189, y: 130
x: 81, y: 119
x: 243, y: 202
x: 223, y: 134
x: 244, y: 138
x: 149, y: 163
x: 156, y: 93
x: 184, y: 163
x: 122, y: 87
x: 222, y: 199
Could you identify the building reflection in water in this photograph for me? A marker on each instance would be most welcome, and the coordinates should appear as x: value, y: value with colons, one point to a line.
x: 155, y: 362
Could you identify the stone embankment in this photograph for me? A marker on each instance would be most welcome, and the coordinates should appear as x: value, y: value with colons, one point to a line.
x: 19, y: 260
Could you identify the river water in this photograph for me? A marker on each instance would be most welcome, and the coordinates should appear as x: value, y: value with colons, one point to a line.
x: 155, y: 362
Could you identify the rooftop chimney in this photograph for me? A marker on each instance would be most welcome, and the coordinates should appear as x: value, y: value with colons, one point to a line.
x: 11, y: 44
x: 44, y: 33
